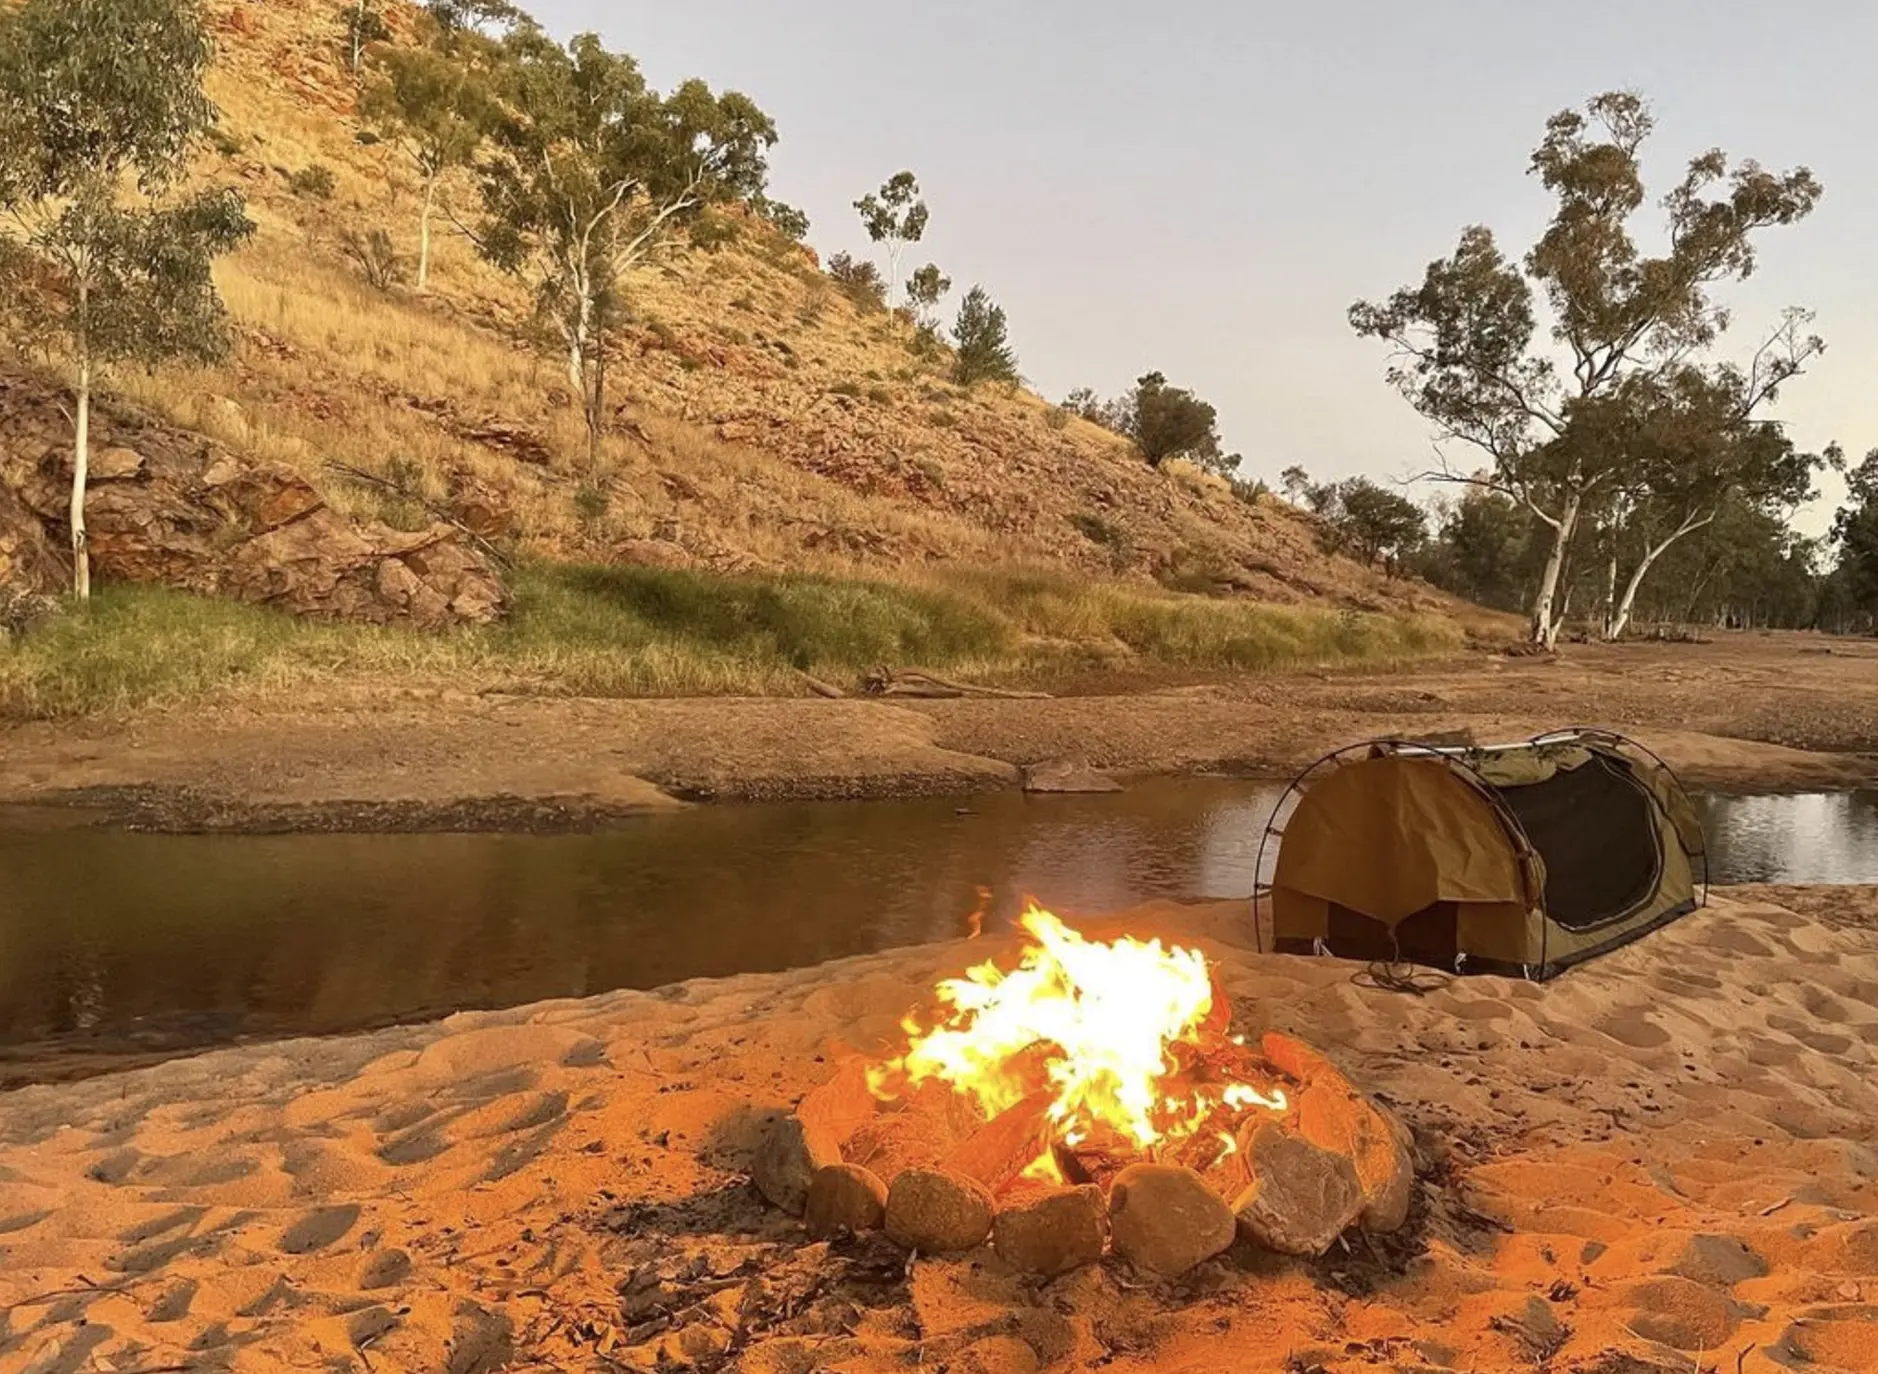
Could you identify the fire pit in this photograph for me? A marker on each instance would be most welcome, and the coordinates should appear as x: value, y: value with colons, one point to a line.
x: 1092, y: 1095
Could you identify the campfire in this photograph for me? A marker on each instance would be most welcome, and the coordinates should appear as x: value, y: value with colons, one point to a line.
x: 1092, y: 1094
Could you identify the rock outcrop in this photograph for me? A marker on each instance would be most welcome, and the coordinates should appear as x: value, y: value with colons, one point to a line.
x: 168, y: 507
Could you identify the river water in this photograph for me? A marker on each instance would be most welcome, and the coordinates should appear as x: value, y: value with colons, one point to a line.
x: 116, y: 947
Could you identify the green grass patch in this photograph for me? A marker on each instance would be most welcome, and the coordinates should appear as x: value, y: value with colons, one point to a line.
x: 597, y: 631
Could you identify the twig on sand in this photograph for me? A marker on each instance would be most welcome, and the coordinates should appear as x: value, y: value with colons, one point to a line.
x: 916, y: 682
x: 1784, y: 1203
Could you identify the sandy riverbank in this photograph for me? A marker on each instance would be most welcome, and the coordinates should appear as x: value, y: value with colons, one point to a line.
x: 1670, y: 1154
x: 1747, y: 712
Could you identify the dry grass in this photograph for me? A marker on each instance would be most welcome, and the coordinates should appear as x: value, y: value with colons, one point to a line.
x: 596, y: 631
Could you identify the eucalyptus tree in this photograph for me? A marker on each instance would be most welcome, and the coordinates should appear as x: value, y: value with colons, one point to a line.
x: 105, y: 256
x: 1557, y: 414
x: 590, y: 173
x: 896, y: 216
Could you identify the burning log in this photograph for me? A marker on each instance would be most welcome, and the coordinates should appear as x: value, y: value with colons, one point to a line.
x: 1008, y: 1144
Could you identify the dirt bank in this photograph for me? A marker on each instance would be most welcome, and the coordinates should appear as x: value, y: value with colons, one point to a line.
x: 1763, y: 712
x: 1664, y: 1160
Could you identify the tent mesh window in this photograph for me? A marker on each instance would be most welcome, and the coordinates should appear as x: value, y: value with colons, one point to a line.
x: 1595, y: 828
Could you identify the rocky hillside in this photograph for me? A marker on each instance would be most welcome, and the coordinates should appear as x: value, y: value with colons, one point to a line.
x: 764, y: 422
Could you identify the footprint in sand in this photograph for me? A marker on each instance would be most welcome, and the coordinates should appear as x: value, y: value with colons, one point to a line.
x: 174, y: 1305
x: 384, y: 1269
x: 1632, y: 1026
x: 21, y: 1221
x: 114, y: 1168
x: 318, y: 1229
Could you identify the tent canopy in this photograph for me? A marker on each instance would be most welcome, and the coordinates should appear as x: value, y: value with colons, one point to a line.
x: 1521, y: 859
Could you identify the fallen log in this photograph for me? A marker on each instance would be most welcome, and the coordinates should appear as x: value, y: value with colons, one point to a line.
x: 820, y: 688
x: 1008, y: 1144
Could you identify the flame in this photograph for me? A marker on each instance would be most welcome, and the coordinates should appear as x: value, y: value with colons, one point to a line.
x: 1111, y: 1027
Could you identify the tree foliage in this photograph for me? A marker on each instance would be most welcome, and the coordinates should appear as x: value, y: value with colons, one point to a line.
x: 1559, y: 417
x: 924, y: 290
x: 788, y: 221
x: 103, y: 258
x: 981, y: 337
x: 1371, y: 522
x: 1171, y: 422
x: 1855, y: 530
x: 896, y: 216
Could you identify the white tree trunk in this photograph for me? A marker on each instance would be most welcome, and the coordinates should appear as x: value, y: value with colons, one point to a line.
x: 1545, y: 627
x: 1620, y: 621
x: 423, y: 235
x: 81, y: 467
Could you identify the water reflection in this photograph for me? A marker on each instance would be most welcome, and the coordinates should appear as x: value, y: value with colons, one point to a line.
x: 1831, y: 838
x: 112, y: 942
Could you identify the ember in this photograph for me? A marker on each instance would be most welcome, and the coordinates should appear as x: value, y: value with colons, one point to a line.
x: 1090, y: 1082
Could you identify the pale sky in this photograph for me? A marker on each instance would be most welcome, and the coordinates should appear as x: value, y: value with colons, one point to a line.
x: 1203, y: 187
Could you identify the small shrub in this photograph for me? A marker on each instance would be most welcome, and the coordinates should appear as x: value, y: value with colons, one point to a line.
x: 736, y: 336
x: 689, y: 364
x: 663, y: 335
x: 1099, y: 531
x: 927, y: 344
x: 815, y: 301
x: 712, y: 231
x: 591, y: 504
x: 880, y: 395
x: 746, y: 302
x: 852, y: 389
x: 1250, y: 492
x: 1056, y: 417
x: 860, y: 281
x: 224, y: 142
x: 942, y: 417
x: 930, y: 469
x: 377, y: 258
x: 313, y: 183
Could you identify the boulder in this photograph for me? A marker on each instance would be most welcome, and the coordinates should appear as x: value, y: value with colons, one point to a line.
x: 1301, y: 1197
x: 165, y: 506
x: 30, y: 564
x: 788, y: 1159
x: 893, y: 1143
x: 1333, y: 1116
x: 843, y: 1104
x: 1067, y: 776
x: 937, y: 1213
x: 1166, y: 1219
x: 844, y: 1199
x: 1054, y: 1232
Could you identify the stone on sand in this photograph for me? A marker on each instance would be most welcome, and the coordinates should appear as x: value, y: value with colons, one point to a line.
x: 1166, y: 1219
x: 790, y: 1156
x: 1334, y: 1116
x: 1053, y: 1232
x: 844, y: 1199
x: 843, y: 1104
x: 938, y: 1213
x: 1301, y: 1197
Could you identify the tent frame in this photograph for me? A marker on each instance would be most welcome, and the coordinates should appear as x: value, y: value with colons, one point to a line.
x: 1460, y: 760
